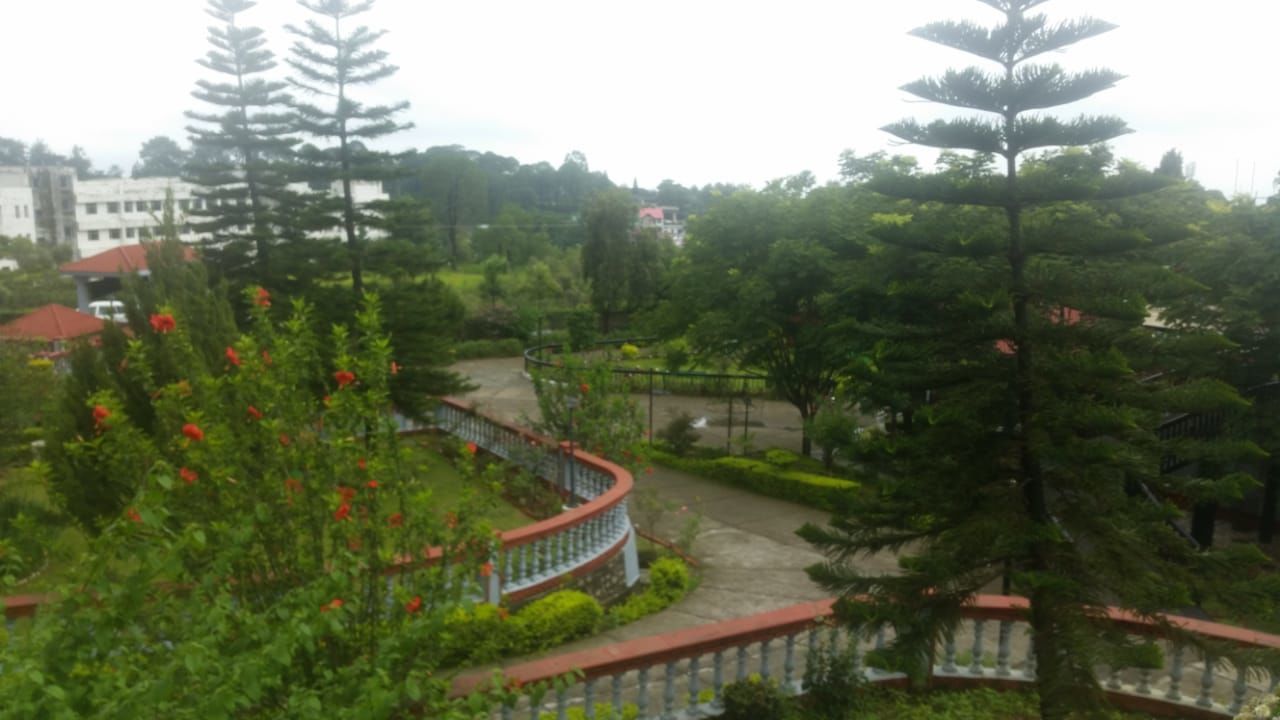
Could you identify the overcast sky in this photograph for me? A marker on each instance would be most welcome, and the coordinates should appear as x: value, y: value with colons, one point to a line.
x: 695, y: 90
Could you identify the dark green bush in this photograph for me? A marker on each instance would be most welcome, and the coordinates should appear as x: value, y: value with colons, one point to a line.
x: 833, y: 683
x: 754, y: 699
x: 471, y: 349
x: 820, y: 491
x: 679, y: 434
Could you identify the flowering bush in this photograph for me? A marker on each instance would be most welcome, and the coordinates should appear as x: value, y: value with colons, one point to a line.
x: 271, y: 562
x: 606, y: 421
x: 1266, y: 707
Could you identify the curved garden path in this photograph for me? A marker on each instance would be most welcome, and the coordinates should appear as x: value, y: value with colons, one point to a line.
x: 750, y: 559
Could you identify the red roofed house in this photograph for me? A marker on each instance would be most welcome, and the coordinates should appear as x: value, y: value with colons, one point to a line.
x: 53, y: 326
x: 100, y: 274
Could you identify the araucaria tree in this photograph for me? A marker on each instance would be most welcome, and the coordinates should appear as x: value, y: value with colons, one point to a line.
x: 1011, y: 333
x: 241, y: 147
x: 328, y: 60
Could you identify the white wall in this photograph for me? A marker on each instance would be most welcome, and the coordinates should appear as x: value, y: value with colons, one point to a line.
x: 124, y: 211
x: 17, y: 204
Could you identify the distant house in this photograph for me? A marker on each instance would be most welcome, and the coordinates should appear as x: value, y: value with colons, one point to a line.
x: 101, y: 275
x: 665, y: 219
x: 52, y: 327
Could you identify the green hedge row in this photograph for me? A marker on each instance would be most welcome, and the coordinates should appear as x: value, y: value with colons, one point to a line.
x: 484, y: 633
x: 820, y: 491
x: 669, y: 581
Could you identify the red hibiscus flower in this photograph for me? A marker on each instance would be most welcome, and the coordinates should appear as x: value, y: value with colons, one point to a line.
x: 584, y: 388
x: 193, y: 431
x: 395, y: 368
x: 266, y: 358
x: 451, y: 520
x: 342, y: 513
x: 163, y: 324
x: 396, y: 520
x: 232, y: 356
x: 413, y: 605
x: 344, y: 378
x: 188, y: 475
x: 254, y: 413
x: 372, y: 484
x: 486, y: 569
x: 334, y: 604
x: 327, y: 400
x: 100, y: 414
x: 346, y: 493
x: 362, y: 464
x: 284, y: 440
x: 133, y: 515
x: 472, y: 448
x: 293, y: 485
x: 263, y: 299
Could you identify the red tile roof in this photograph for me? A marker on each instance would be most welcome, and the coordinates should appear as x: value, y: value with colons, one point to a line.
x: 116, y: 261
x: 52, y: 322
x: 653, y: 213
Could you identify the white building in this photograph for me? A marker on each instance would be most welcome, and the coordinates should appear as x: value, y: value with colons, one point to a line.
x: 17, y: 204
x: 51, y: 206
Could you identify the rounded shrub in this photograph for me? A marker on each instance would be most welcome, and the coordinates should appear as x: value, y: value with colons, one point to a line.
x: 562, y: 616
x: 754, y: 699
x: 669, y: 578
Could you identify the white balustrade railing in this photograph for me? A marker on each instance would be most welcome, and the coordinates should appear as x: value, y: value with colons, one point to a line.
x: 682, y: 674
x: 595, y: 528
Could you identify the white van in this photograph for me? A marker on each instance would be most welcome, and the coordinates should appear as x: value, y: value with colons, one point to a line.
x: 112, y: 310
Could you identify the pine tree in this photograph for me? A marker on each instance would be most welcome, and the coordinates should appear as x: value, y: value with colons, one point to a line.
x: 1008, y: 342
x: 328, y: 62
x: 241, y: 148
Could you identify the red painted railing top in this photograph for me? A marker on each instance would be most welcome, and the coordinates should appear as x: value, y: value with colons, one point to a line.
x: 25, y: 605
x: 704, y: 639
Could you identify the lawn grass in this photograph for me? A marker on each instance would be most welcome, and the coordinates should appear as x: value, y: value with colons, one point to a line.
x: 449, y: 488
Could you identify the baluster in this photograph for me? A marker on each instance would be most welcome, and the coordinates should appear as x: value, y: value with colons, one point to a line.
x: 1114, y: 682
x: 693, y: 682
x: 642, y: 698
x: 789, y: 664
x: 1238, y: 690
x: 949, y: 654
x: 522, y: 567
x: 764, y: 658
x: 1275, y: 682
x: 669, y: 692
x: 1175, y: 676
x: 1002, y: 651
x: 975, y: 667
x: 589, y: 697
x: 742, y: 663
x: 812, y: 653
x: 1206, y: 683
x: 1144, y: 681
x: 880, y: 638
x: 717, y: 677
x: 1029, y: 670
x: 562, y: 708
x: 616, y: 699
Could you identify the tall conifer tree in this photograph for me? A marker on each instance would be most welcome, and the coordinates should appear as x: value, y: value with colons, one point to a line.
x: 241, y: 148
x: 1010, y: 337
x: 329, y: 59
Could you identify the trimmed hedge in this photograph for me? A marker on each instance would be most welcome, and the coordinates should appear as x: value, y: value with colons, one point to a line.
x: 556, y: 619
x: 483, y: 633
x: 820, y: 491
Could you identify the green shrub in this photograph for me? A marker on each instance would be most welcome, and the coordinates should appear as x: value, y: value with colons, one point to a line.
x: 679, y: 434
x: 675, y: 355
x: 475, y: 635
x: 471, y: 349
x: 604, y: 711
x: 669, y: 581
x: 781, y: 458
x: 581, y: 325
x: 820, y: 491
x: 754, y: 699
x: 669, y: 578
x: 833, y: 683
x: 553, y: 620
x: 629, y: 351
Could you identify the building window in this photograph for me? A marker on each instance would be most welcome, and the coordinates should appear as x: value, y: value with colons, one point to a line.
x: 157, y: 205
x: 91, y: 208
x: 128, y: 206
x: 131, y: 232
x: 26, y: 211
x: 113, y: 207
x: 184, y: 204
x: 114, y: 233
x: 70, y: 234
x: 93, y: 235
x: 144, y: 232
x: 198, y: 203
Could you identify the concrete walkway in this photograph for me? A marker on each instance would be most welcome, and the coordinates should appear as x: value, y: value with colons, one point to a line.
x: 750, y: 557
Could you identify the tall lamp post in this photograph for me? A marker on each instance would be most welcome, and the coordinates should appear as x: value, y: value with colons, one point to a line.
x: 571, y: 403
